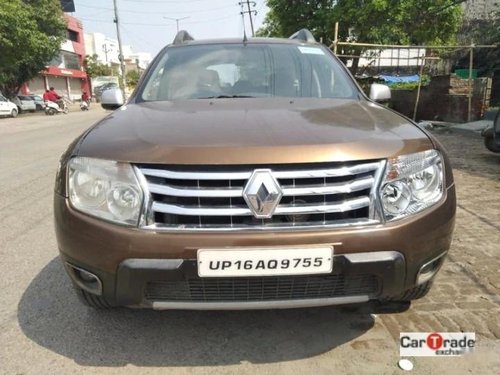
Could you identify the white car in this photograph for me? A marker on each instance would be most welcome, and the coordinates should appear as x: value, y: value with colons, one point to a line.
x: 7, y: 108
x: 24, y: 103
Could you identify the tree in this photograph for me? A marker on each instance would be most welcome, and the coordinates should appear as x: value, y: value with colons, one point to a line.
x: 31, y: 33
x: 485, y: 32
x: 95, y: 68
x: 285, y: 17
x: 415, y: 22
x: 133, y: 77
x: 368, y: 21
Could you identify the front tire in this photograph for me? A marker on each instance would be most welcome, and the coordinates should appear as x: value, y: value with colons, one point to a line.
x: 489, y: 142
x: 91, y: 300
x: 13, y: 113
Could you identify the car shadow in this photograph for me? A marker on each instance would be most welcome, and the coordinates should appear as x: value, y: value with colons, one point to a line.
x: 50, y: 315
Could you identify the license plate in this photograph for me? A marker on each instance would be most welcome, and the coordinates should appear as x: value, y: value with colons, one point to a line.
x: 265, y: 261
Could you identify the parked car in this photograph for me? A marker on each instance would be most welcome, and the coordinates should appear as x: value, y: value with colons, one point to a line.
x: 39, y: 102
x: 24, y: 103
x: 250, y: 174
x: 7, y: 108
x: 492, y: 135
x: 99, y: 90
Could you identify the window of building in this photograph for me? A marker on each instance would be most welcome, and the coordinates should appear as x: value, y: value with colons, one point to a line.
x: 71, y: 60
x: 72, y: 35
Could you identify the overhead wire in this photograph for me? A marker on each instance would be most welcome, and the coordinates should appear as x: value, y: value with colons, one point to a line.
x: 157, y: 12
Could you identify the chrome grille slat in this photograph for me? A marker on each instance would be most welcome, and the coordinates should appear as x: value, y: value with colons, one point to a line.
x: 197, y: 192
x: 281, y: 210
x: 212, y: 197
x: 196, y: 175
x: 319, y: 173
x: 337, y: 188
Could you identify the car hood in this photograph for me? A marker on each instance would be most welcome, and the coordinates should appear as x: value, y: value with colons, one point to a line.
x: 252, y: 131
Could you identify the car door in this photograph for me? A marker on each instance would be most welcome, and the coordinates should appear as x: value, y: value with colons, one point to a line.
x: 3, y: 105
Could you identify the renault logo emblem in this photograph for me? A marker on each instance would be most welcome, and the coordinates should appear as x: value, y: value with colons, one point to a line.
x: 262, y: 193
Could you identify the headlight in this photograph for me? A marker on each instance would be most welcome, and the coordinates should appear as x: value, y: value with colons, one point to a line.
x: 412, y: 183
x: 105, y: 189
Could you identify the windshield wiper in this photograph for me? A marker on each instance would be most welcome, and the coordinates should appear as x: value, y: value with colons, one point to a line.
x: 226, y: 97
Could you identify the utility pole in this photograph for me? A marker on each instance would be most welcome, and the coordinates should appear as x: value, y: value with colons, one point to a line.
x: 250, y: 11
x: 121, y: 57
x: 176, y: 20
x: 105, y: 50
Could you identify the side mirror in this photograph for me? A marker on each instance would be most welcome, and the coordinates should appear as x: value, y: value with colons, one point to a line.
x: 112, y: 99
x: 380, y: 93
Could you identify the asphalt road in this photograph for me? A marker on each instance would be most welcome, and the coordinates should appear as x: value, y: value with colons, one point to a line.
x: 44, y: 329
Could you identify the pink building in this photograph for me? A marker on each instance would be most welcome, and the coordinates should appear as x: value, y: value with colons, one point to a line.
x: 65, y: 72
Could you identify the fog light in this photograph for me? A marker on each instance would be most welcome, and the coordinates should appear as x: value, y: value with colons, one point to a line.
x: 84, y: 279
x: 429, y: 269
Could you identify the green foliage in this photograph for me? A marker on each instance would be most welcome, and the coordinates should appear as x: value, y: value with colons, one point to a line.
x: 96, y: 69
x: 485, y: 32
x: 410, y: 85
x: 31, y: 33
x: 132, y: 78
x: 285, y: 17
x: 414, y: 22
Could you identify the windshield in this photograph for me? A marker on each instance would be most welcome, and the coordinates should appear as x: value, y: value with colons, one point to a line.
x: 246, y: 70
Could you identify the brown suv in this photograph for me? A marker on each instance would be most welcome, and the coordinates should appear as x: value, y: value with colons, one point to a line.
x: 245, y: 174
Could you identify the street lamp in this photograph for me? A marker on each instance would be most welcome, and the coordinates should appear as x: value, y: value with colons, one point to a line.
x: 177, y: 20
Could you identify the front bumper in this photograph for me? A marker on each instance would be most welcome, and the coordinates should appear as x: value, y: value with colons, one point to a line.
x: 129, y: 260
x: 174, y: 284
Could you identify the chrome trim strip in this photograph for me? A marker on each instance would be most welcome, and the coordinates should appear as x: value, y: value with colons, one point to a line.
x: 146, y: 217
x: 375, y: 256
x: 196, y: 175
x: 312, y: 173
x: 70, y: 269
x: 422, y: 278
x: 262, y: 228
x: 376, y: 209
x: 325, y: 173
x: 200, y: 211
x: 347, y: 205
x: 258, y: 305
x: 336, y: 188
x: 196, y: 192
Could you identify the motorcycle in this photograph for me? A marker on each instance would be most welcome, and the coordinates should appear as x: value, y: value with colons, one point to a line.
x: 52, y: 108
x: 84, y: 105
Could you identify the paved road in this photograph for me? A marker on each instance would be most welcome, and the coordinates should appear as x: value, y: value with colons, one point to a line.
x: 44, y: 330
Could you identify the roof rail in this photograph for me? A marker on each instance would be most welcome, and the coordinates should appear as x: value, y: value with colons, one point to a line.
x: 182, y: 37
x: 304, y: 35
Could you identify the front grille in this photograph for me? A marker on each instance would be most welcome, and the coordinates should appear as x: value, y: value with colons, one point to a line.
x: 205, y: 197
x: 261, y: 288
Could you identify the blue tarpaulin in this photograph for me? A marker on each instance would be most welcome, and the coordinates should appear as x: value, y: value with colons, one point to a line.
x: 399, y: 79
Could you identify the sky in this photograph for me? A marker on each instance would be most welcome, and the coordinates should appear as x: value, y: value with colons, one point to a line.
x: 144, y: 24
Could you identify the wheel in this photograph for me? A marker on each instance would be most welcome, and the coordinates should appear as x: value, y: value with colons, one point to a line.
x: 489, y: 142
x: 91, y: 300
x: 51, y: 112
x: 13, y: 113
x: 417, y: 292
